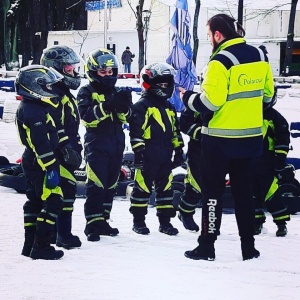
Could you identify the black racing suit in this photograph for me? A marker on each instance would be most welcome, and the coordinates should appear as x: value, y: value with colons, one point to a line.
x: 104, y: 143
x: 154, y: 130
x: 190, y: 124
x: 38, y: 134
x: 265, y: 184
x: 67, y: 121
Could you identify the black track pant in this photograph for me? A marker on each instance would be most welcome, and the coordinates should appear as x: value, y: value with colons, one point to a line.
x: 214, y: 167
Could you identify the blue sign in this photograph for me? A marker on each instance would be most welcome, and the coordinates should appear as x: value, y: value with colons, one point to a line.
x: 97, y: 5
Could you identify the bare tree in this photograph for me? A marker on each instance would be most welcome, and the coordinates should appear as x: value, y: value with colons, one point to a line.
x: 290, y: 40
x: 141, y: 29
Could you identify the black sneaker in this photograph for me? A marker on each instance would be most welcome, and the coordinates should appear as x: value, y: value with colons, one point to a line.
x: 93, y: 237
x: 105, y: 229
x: 45, y: 252
x: 140, y: 228
x: 205, y: 251
x: 258, y: 229
x: 282, y: 230
x: 188, y: 222
x: 249, y: 252
x: 168, y: 229
x: 68, y: 242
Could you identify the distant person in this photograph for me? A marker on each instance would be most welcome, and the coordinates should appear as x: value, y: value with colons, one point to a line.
x: 154, y: 135
x: 237, y: 82
x: 103, y: 110
x: 127, y: 58
x: 64, y: 60
x: 270, y: 170
x: 39, y: 87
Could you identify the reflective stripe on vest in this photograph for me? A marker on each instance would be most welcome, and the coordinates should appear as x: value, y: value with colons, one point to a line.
x: 232, y: 132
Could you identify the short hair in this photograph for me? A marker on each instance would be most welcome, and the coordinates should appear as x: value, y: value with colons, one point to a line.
x: 227, y: 25
x: 127, y: 47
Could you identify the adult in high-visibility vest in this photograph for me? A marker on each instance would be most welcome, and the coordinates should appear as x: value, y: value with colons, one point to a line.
x: 237, y: 82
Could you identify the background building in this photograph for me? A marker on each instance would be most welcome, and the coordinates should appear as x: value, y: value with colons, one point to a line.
x: 263, y: 24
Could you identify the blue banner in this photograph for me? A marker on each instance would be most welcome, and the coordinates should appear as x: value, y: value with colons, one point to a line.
x: 97, y: 5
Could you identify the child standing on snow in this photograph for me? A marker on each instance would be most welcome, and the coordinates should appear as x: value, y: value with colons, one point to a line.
x: 154, y: 135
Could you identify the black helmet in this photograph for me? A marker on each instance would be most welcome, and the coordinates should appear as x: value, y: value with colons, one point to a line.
x: 38, y: 83
x: 155, y: 74
x: 267, y: 105
x: 58, y: 57
x: 101, y: 59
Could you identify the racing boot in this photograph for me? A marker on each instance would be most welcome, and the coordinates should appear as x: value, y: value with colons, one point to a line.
x: 29, y: 240
x: 106, y: 229
x: 188, y: 222
x: 166, y: 227
x: 281, y: 230
x: 42, y: 250
x: 258, y: 229
x: 65, y: 238
x: 139, y: 225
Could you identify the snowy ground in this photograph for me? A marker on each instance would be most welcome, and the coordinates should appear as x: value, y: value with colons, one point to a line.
x: 130, y: 266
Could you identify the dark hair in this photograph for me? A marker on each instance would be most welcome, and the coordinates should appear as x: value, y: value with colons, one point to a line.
x: 227, y: 25
x: 127, y: 47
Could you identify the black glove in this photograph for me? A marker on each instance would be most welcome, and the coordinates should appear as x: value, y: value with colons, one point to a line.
x: 178, y: 158
x: 122, y: 101
x: 108, y: 105
x: 71, y: 156
x: 52, y: 178
x: 139, y: 159
x: 286, y: 174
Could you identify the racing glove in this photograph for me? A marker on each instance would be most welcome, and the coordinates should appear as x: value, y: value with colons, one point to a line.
x: 71, y: 156
x: 122, y: 101
x: 108, y: 105
x: 52, y: 178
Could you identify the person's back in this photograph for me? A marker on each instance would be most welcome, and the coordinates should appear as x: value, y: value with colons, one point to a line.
x: 237, y: 82
x: 236, y: 74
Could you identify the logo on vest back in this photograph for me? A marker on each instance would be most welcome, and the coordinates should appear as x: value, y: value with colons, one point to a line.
x: 245, y: 80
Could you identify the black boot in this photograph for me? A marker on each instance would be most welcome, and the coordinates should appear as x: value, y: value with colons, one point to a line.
x: 68, y: 241
x: 166, y: 227
x: 106, y: 229
x: 28, y: 243
x: 188, y: 222
x: 282, y: 230
x: 139, y: 225
x: 93, y: 237
x: 64, y: 237
x: 205, y: 251
x: 249, y: 251
x: 258, y: 229
x: 42, y: 250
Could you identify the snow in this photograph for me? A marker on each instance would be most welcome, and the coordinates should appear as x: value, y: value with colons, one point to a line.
x: 131, y: 266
